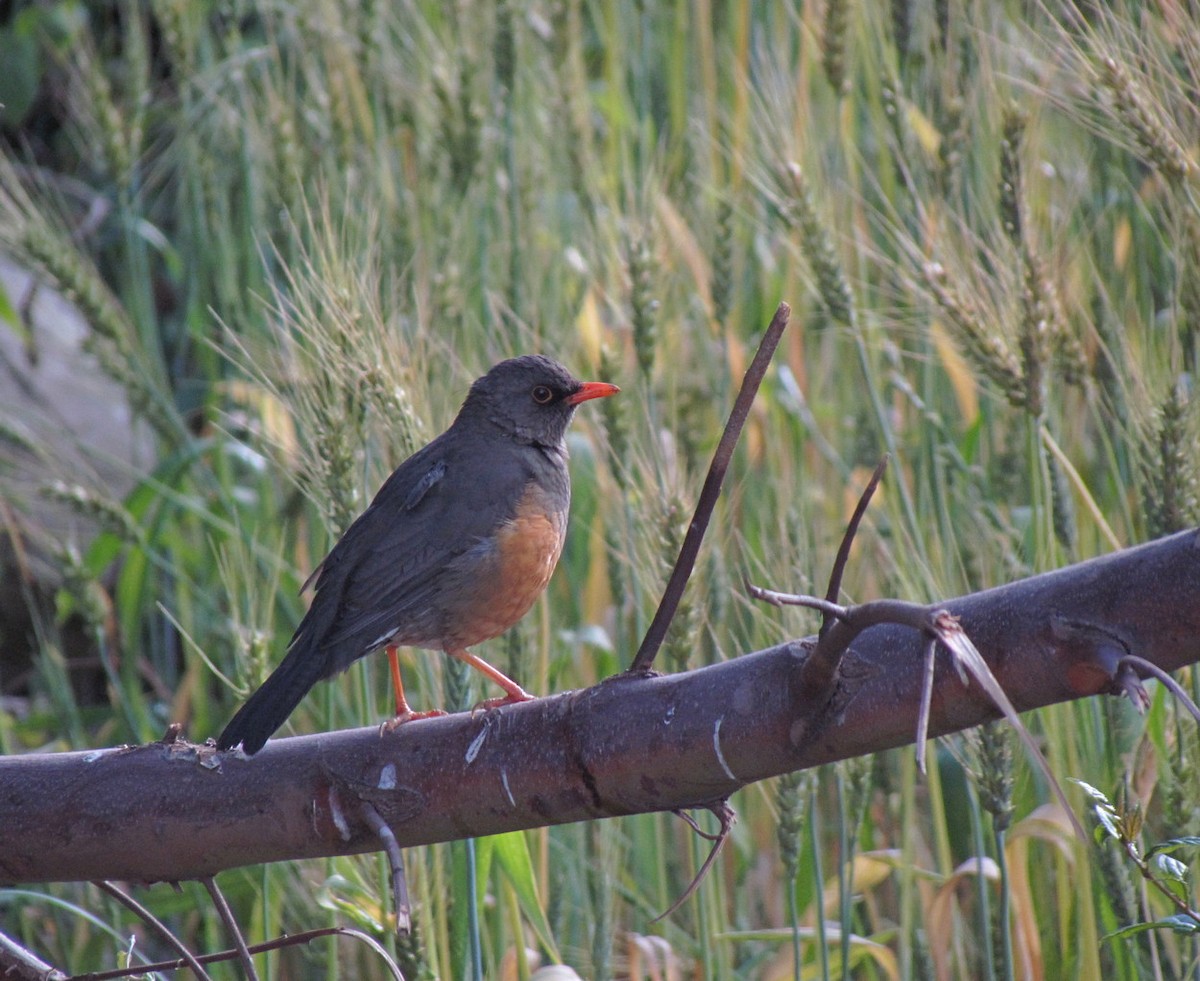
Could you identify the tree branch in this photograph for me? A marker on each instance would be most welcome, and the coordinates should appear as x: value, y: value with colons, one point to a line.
x: 170, y: 811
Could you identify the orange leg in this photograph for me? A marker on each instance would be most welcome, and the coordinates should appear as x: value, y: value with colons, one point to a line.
x: 512, y: 691
x: 403, y: 712
x: 397, y: 683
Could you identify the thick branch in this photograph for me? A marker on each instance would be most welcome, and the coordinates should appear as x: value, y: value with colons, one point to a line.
x: 178, y: 811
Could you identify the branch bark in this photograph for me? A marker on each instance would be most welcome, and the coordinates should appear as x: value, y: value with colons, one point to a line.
x: 176, y: 810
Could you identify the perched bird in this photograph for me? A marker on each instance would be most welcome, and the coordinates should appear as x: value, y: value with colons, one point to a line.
x: 458, y: 544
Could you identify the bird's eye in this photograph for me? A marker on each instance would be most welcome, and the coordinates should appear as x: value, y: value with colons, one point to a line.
x: 542, y: 395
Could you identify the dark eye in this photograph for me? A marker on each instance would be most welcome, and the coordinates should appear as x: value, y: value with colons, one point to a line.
x: 542, y: 395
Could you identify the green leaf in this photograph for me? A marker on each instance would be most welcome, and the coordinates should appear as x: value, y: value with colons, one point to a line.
x: 512, y: 855
x: 1179, y: 923
x: 1092, y: 792
x: 162, y: 485
x: 1172, y: 867
x: 466, y: 858
x: 1108, y: 821
x: 1173, y: 844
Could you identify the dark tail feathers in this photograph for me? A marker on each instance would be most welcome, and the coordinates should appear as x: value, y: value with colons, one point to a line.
x: 268, y: 708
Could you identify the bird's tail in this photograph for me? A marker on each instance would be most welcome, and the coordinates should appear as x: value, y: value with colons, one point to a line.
x: 268, y: 708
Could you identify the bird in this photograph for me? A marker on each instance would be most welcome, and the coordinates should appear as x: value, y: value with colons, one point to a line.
x: 454, y: 549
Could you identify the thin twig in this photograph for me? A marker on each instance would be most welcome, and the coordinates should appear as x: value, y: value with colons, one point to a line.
x: 19, y: 964
x: 231, y: 924
x: 692, y: 823
x: 396, y: 862
x: 709, y: 494
x: 830, y: 610
x: 189, y: 959
x: 727, y: 816
x: 820, y: 666
x: 1141, y: 664
x: 938, y: 625
x: 926, y: 701
x: 843, y: 554
x: 228, y: 955
x: 855, y: 619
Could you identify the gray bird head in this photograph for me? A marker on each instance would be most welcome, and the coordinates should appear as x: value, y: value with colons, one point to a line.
x: 531, y: 398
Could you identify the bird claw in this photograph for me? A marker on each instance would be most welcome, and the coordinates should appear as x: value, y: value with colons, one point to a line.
x: 394, y: 723
x: 512, y: 698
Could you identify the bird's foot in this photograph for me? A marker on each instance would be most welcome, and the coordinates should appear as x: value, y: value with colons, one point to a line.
x: 520, y: 695
x: 397, y: 721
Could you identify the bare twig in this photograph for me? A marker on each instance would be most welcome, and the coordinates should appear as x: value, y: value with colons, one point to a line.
x: 1173, y: 686
x: 846, y: 623
x: 395, y: 861
x: 231, y: 924
x: 189, y: 959
x: 19, y: 964
x: 843, y: 555
x: 228, y: 955
x: 692, y: 823
x: 926, y: 701
x: 709, y: 494
x: 796, y: 599
x: 727, y: 816
x: 821, y: 665
x: 855, y: 619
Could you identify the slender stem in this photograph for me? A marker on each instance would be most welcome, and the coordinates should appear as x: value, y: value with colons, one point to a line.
x: 794, y: 916
x: 17, y: 962
x: 154, y: 922
x: 395, y: 861
x: 814, y: 833
x: 231, y: 924
x: 1003, y: 913
x: 845, y: 857
x: 229, y: 955
x: 473, y: 926
x: 981, y: 887
x: 882, y: 417
x: 843, y: 555
x: 709, y: 494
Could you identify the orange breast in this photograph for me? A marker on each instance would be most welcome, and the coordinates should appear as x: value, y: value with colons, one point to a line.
x: 527, y: 550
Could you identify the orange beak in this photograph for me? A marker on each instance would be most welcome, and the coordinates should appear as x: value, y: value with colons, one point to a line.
x: 591, y: 390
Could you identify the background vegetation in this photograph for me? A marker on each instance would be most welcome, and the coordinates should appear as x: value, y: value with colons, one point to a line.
x: 298, y: 231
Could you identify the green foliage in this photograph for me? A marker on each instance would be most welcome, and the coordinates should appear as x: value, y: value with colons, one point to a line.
x: 297, y: 232
x: 1123, y: 824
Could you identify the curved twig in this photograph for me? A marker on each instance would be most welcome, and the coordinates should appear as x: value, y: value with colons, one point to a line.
x: 727, y: 816
x: 1173, y: 686
x: 940, y: 626
x: 395, y: 861
x: 843, y: 555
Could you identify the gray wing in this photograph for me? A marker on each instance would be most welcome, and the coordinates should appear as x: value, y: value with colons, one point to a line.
x: 394, y: 570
